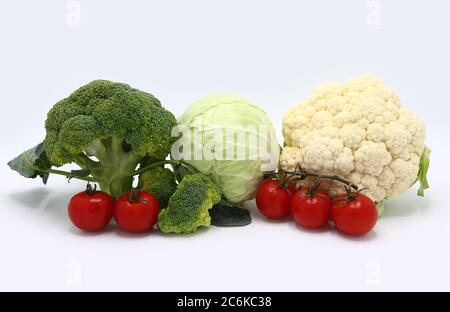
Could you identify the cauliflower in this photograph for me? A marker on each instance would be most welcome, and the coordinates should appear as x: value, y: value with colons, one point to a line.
x: 360, y: 131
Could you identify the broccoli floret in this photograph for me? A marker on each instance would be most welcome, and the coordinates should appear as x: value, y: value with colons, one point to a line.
x: 108, y: 129
x: 188, y: 207
x: 160, y: 182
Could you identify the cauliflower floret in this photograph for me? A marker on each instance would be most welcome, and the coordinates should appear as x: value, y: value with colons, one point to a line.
x: 358, y: 130
x: 370, y: 157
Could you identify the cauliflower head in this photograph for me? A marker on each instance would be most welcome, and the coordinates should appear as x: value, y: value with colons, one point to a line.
x: 358, y: 130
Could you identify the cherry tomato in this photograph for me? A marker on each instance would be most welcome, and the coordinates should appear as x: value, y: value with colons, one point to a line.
x: 136, y: 211
x: 355, y: 216
x: 311, y: 210
x: 91, y: 210
x: 273, y: 201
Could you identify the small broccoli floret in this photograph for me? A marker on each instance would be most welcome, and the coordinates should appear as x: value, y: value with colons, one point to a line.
x: 188, y: 207
x: 160, y: 182
x: 108, y: 129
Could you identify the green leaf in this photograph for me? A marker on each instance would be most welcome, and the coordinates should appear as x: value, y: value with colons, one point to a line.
x: 423, y: 169
x: 225, y: 214
x: 29, y: 163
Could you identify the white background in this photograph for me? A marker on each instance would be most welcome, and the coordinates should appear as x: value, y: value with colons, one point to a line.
x: 272, y: 52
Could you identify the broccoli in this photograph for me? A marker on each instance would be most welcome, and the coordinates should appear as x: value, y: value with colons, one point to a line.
x: 188, y: 207
x: 160, y: 182
x: 106, y: 128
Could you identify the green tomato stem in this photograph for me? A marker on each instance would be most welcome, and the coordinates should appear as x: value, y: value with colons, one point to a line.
x: 303, y: 175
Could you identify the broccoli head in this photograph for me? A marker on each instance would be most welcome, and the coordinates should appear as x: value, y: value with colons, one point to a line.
x: 188, y: 207
x: 160, y: 182
x: 108, y: 129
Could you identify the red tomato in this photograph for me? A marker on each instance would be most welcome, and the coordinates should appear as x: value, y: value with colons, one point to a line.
x: 136, y: 213
x: 355, y: 217
x: 272, y: 200
x: 91, y: 210
x: 311, y: 211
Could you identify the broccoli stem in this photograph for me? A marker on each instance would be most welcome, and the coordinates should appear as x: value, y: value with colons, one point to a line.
x: 85, y: 162
x: 190, y: 168
x: 116, y: 187
x: 122, y: 179
x: 113, y: 178
x: 123, y: 172
x: 114, y: 166
x: 67, y: 174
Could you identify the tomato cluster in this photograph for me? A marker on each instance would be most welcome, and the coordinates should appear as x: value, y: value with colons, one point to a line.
x: 353, y: 213
x: 134, y: 212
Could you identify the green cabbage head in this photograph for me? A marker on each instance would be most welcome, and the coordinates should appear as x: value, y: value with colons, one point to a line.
x: 230, y: 139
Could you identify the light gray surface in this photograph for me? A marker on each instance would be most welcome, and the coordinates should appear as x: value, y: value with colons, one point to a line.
x: 272, y: 52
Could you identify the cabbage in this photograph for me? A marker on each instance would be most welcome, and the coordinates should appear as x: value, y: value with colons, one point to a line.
x: 230, y: 139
